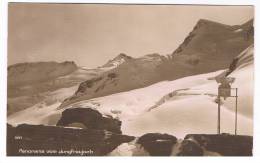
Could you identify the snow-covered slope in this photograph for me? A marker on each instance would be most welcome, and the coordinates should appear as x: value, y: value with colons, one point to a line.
x: 45, y: 111
x: 134, y: 102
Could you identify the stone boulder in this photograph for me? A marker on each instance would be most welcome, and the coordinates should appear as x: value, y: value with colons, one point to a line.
x: 157, y: 144
x: 190, y: 148
x: 90, y: 118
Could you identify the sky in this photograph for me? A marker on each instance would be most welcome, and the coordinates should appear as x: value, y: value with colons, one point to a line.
x: 91, y: 34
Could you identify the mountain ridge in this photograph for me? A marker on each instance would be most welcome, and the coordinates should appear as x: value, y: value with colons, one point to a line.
x: 208, y: 42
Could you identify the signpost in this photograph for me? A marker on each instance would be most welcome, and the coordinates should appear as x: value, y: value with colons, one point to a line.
x: 224, y: 90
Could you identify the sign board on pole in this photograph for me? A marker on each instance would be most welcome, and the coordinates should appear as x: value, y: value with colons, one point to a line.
x: 224, y: 89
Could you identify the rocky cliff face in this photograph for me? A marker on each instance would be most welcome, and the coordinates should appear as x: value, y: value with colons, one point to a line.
x: 212, y: 38
x: 210, y: 41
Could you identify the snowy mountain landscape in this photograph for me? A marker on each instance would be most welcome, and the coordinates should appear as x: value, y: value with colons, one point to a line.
x: 131, y: 105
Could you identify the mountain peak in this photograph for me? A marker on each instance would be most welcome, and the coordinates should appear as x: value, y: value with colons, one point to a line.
x: 122, y: 55
x: 248, y: 24
x: 118, y: 60
x: 207, y: 35
x: 206, y: 22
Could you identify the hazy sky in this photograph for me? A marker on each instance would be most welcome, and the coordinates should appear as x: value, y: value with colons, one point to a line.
x: 91, y: 34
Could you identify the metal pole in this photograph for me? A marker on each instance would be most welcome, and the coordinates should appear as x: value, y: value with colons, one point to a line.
x: 218, y: 114
x: 236, y: 114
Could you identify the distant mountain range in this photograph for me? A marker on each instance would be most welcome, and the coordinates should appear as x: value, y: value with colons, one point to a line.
x: 29, y: 73
x: 30, y: 83
x: 210, y: 46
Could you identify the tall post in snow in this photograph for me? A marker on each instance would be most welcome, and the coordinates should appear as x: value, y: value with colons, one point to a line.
x: 236, y: 114
x: 218, y: 114
x: 224, y: 90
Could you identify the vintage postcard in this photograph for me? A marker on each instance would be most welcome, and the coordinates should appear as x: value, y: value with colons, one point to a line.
x: 130, y: 80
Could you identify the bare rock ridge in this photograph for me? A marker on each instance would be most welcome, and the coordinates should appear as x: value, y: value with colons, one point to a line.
x: 244, y: 59
x: 215, y: 32
x: 211, y: 40
x: 208, y: 41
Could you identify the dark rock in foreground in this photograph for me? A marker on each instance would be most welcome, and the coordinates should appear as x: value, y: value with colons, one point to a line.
x: 190, y: 148
x: 39, y: 140
x: 157, y: 144
x: 224, y: 144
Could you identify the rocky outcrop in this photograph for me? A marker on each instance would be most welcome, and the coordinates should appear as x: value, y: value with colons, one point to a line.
x: 39, y: 140
x: 84, y: 86
x: 157, y: 144
x: 245, y: 58
x: 90, y: 118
